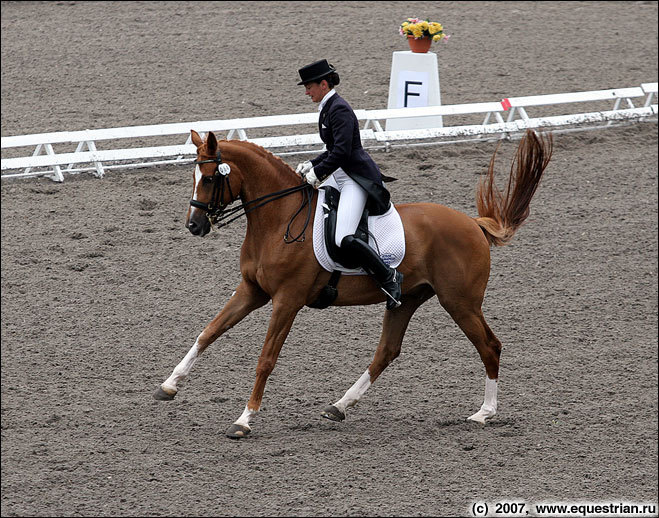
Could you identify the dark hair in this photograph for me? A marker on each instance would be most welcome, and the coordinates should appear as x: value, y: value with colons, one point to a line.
x: 332, y: 79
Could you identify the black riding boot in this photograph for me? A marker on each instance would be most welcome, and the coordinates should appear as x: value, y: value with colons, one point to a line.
x: 389, y: 279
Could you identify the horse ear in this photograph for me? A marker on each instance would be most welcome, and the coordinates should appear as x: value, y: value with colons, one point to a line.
x: 211, y: 142
x: 196, y: 139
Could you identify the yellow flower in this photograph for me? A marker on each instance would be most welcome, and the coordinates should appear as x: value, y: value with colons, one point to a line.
x: 435, y: 28
x: 422, y: 28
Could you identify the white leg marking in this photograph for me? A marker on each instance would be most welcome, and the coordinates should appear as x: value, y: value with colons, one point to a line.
x: 243, y: 420
x: 181, y: 371
x: 489, y: 407
x: 355, y: 392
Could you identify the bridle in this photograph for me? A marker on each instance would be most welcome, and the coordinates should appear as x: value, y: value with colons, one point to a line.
x: 220, y: 179
x: 216, y: 210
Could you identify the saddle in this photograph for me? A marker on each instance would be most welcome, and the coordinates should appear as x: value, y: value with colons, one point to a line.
x: 385, y: 234
x: 330, y: 209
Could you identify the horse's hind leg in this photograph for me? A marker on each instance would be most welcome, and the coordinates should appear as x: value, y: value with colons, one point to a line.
x: 488, y: 346
x: 393, y: 330
x: 246, y: 299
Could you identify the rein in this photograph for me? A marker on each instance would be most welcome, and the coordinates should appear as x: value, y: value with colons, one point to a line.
x: 217, y: 214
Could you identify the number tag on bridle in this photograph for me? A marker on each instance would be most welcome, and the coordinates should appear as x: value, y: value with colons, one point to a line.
x: 223, y: 169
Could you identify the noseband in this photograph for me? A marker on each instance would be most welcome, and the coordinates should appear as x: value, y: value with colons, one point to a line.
x: 215, y: 209
x: 220, y: 181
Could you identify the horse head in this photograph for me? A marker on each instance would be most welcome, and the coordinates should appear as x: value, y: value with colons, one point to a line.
x: 215, y: 185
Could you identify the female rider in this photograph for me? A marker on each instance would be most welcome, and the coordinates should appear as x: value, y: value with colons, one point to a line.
x: 358, y: 177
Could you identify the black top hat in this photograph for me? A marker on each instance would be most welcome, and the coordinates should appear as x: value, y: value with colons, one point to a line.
x: 316, y: 71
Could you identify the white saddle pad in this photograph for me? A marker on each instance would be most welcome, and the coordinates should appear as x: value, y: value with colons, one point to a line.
x: 387, y: 230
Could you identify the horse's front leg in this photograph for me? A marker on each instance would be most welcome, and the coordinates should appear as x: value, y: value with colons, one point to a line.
x: 281, y: 321
x: 246, y: 299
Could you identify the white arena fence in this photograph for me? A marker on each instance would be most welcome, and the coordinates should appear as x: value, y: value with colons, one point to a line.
x: 548, y: 112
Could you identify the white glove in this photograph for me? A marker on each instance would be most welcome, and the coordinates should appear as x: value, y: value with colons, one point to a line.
x: 311, y: 179
x: 303, y: 168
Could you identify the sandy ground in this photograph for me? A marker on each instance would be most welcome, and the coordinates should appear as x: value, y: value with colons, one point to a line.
x: 102, y: 293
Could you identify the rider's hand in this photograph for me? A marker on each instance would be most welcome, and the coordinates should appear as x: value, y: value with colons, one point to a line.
x: 303, y: 168
x: 311, y: 179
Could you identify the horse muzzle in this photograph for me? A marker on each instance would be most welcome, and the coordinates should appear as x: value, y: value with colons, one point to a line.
x: 199, y: 226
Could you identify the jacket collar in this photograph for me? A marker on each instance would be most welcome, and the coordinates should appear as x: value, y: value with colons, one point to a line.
x: 324, y: 100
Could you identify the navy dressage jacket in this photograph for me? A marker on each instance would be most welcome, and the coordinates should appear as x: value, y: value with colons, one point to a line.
x: 339, y: 130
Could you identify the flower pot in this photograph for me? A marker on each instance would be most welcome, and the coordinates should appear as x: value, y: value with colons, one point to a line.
x: 420, y: 45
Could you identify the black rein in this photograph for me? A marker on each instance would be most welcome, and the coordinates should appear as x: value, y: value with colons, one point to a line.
x: 219, y: 217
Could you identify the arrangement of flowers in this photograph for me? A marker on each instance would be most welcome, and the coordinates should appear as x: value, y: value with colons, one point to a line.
x: 422, y: 29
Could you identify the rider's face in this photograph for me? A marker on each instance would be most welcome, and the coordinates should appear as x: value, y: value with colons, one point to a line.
x: 316, y: 90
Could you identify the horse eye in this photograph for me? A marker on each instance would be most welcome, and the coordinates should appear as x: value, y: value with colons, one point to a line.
x: 207, y: 180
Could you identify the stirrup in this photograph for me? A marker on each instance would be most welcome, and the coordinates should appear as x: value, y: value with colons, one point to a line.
x: 392, y: 303
x: 397, y: 282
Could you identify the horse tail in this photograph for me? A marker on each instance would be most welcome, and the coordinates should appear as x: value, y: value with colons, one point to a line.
x: 500, y: 215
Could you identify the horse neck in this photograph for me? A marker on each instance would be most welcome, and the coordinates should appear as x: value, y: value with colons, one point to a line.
x: 262, y: 173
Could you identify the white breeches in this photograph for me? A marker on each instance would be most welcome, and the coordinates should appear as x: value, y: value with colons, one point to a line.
x: 351, y: 205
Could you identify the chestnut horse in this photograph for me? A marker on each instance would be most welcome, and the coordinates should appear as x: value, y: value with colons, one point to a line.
x: 447, y: 255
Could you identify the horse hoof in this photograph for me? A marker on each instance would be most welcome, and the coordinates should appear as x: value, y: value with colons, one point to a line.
x: 476, y: 419
x: 161, y: 395
x: 333, y: 414
x: 238, y: 431
x: 480, y: 417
